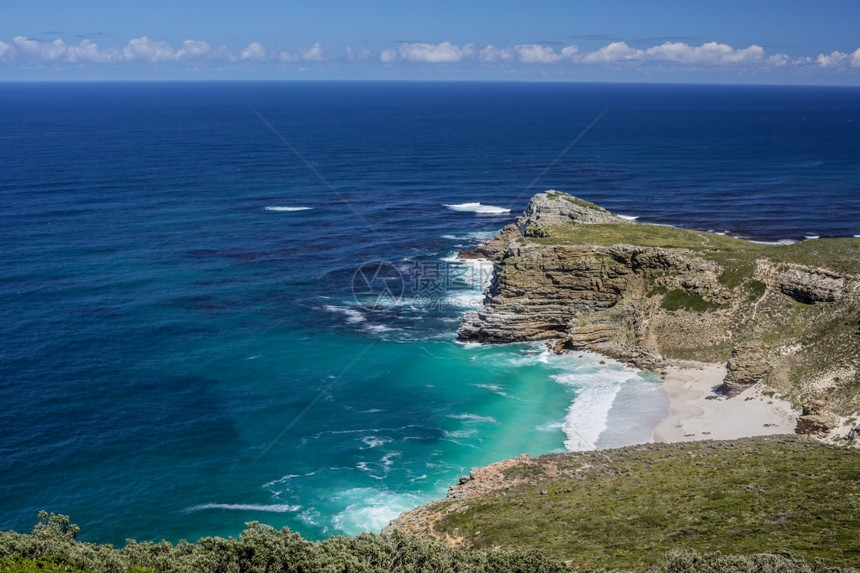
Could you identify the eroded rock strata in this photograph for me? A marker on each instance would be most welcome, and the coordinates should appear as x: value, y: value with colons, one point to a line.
x: 580, y: 277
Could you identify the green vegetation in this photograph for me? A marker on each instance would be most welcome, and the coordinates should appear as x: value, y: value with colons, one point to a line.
x: 575, y: 200
x: 735, y: 255
x: 756, y: 289
x: 677, y: 299
x: 640, y: 235
x: 259, y: 548
x: 627, y: 508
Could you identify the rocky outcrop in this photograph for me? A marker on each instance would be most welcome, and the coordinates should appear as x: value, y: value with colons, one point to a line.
x: 804, y: 284
x: 556, y: 208
x: 490, y: 248
x: 712, y: 300
x: 816, y: 419
x: 749, y: 365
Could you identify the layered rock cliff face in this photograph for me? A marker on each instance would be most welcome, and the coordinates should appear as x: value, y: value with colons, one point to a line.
x: 574, y: 274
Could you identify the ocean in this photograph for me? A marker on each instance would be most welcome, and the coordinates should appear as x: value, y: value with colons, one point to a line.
x: 226, y: 302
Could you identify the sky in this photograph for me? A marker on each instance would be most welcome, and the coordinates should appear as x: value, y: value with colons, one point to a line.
x: 689, y: 41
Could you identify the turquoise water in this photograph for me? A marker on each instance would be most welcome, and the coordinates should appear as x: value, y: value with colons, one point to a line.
x: 185, y: 342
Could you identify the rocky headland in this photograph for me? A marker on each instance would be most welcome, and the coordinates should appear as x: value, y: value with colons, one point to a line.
x: 780, y: 317
x: 752, y: 341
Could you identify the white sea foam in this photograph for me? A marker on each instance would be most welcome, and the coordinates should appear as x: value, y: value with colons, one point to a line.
x: 280, y: 480
x: 353, y: 316
x: 370, y: 510
x: 475, y: 235
x: 640, y: 404
x: 379, y: 469
x: 478, y: 208
x: 588, y: 413
x: 494, y: 388
x: 538, y: 354
x: 379, y: 328
x: 550, y: 427
x: 474, y: 418
x: 276, y: 508
x: 459, y: 434
x: 287, y: 209
x: 374, y: 442
x: 782, y: 242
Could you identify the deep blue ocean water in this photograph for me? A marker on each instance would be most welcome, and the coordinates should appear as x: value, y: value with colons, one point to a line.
x: 186, y: 343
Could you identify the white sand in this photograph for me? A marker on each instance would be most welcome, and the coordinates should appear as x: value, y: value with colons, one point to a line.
x: 693, y: 416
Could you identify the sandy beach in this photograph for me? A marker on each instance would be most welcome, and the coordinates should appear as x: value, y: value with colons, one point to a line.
x: 697, y: 413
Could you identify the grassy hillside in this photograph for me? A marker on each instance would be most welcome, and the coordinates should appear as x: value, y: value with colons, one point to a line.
x: 842, y: 254
x: 627, y: 508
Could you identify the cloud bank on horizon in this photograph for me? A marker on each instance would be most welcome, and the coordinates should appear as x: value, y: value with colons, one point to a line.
x: 24, y: 53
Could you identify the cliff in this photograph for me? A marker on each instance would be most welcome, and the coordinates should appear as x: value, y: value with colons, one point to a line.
x: 573, y: 274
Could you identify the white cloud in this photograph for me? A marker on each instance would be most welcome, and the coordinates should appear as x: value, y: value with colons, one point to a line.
x: 446, y: 52
x: 711, y: 53
x: 25, y: 51
x: 839, y: 59
x: 6, y: 51
x: 32, y: 49
x: 28, y: 50
x: 614, y: 52
x: 778, y: 60
x: 254, y: 51
x: 315, y: 54
x: 361, y: 55
x: 536, y: 54
x: 493, y: 54
x: 192, y: 49
x: 148, y: 50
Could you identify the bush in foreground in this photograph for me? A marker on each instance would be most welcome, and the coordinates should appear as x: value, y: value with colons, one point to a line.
x: 52, y: 548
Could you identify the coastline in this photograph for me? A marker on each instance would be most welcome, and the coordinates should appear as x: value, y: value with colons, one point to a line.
x: 697, y: 413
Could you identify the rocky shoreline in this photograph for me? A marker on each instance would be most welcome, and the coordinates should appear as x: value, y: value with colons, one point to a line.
x: 572, y: 274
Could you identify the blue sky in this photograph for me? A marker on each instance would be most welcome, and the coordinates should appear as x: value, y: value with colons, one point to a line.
x: 728, y: 41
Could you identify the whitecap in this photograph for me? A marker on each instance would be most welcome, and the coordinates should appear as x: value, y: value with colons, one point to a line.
x: 282, y: 479
x: 493, y: 387
x: 477, y: 208
x: 459, y: 434
x: 276, y: 508
x: 379, y: 328
x: 474, y: 235
x: 474, y: 418
x: 287, y: 209
x: 550, y: 427
x: 353, y: 316
x: 374, y: 442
